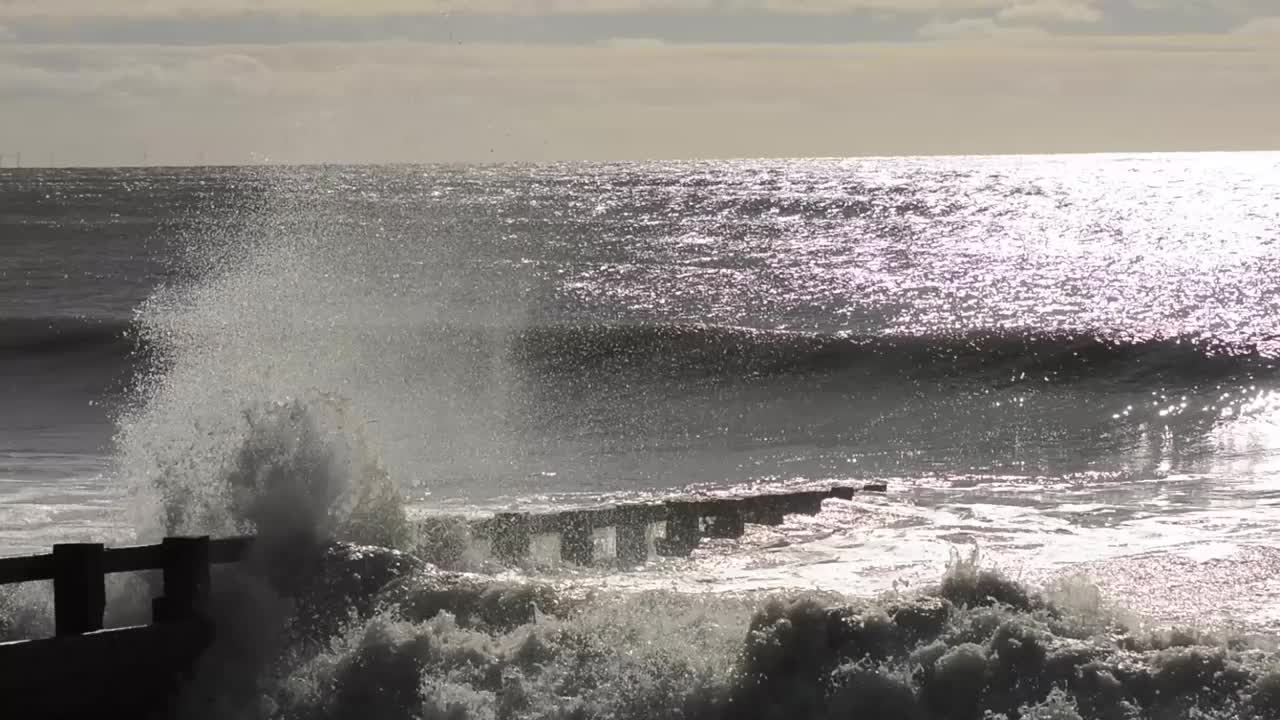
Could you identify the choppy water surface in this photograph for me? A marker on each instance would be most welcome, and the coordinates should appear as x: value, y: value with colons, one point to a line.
x: 1067, y: 363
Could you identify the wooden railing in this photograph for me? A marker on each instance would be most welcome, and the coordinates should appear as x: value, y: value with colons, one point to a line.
x: 136, y: 671
x: 79, y: 570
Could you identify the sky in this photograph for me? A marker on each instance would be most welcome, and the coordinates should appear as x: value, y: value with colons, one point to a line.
x: 94, y: 82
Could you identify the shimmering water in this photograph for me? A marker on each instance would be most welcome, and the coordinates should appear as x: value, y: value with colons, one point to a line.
x: 1068, y: 363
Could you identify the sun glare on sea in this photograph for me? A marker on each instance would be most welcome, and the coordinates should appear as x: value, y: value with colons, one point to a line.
x: 1249, y: 437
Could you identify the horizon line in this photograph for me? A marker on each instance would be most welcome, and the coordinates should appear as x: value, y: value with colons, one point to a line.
x: 628, y: 161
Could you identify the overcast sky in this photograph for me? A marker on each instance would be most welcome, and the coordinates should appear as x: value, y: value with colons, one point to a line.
x: 232, y: 81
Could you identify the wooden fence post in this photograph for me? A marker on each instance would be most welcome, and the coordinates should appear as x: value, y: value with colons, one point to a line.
x: 79, y: 588
x: 511, y: 537
x: 577, y: 543
x: 186, y: 579
x: 726, y: 521
x: 632, y: 541
x: 684, y: 528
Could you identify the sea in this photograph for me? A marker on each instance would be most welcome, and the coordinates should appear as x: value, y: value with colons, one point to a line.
x: 1065, y: 369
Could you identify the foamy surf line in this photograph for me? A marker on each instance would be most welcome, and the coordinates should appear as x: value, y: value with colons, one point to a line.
x: 1203, y: 566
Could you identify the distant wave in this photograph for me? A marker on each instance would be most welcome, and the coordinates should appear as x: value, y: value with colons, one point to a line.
x: 45, y: 335
x: 57, y: 369
x: 994, y: 356
x: 692, y: 350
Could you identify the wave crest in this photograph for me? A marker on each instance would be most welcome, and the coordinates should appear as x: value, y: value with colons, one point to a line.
x: 728, y: 352
x: 975, y: 354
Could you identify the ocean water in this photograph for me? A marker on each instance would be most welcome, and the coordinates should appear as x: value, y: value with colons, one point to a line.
x: 1066, y: 369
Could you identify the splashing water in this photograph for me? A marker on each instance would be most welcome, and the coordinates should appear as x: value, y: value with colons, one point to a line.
x: 244, y: 421
x: 302, y: 471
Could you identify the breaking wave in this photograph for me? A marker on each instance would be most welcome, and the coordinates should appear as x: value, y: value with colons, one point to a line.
x: 732, y: 351
x: 42, y: 335
x: 738, y: 352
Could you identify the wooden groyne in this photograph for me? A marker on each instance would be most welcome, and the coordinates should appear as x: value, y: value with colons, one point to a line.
x: 85, y: 670
x: 670, y: 527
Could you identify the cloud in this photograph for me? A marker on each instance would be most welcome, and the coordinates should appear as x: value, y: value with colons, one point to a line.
x: 591, y: 28
x: 1016, y: 20
x: 211, y: 22
x: 369, y: 8
x: 6, y: 34
x: 1260, y: 26
x: 979, y: 28
x: 144, y: 75
x: 136, y: 8
x: 1051, y: 12
x: 623, y: 41
x: 387, y: 101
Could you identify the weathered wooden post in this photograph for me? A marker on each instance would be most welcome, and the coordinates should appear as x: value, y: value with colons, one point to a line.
x: 684, y: 528
x: 726, y: 520
x: 79, y: 588
x: 510, y: 536
x: 186, y: 579
x: 764, y: 510
x: 577, y: 541
x: 631, y: 524
x: 631, y: 539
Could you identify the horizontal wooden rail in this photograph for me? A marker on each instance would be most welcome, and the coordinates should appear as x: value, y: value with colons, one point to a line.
x: 26, y: 569
x: 79, y: 570
x: 130, y: 558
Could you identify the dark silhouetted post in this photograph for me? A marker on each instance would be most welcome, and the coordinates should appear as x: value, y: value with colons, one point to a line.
x: 186, y: 579
x: 79, y: 588
x: 576, y: 542
x: 632, y: 541
x: 727, y: 521
x: 510, y: 537
x: 764, y: 510
x: 684, y: 528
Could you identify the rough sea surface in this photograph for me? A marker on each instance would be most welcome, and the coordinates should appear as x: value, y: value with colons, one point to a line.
x: 1066, y: 369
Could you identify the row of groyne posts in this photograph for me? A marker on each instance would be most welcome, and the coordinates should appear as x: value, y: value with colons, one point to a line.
x: 672, y: 527
x: 85, y: 669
